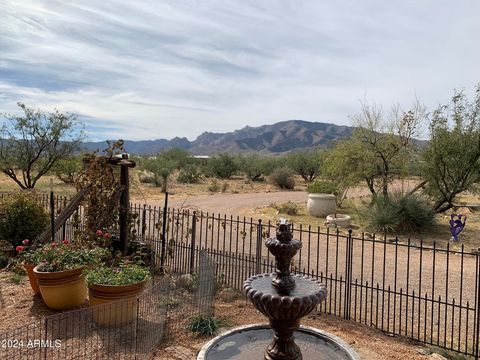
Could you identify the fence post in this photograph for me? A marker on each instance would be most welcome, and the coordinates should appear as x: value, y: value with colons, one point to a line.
x: 192, y: 244
x: 144, y: 223
x: 258, y: 252
x: 348, y: 275
x: 52, y: 211
x: 164, y: 229
x: 477, y: 311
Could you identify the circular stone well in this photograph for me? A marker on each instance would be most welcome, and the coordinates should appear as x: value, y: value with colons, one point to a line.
x: 249, y: 343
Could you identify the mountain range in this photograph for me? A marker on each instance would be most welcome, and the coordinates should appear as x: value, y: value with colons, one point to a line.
x: 277, y: 138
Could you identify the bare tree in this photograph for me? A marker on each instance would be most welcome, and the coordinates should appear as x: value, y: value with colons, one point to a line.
x: 387, y: 138
x: 31, y: 143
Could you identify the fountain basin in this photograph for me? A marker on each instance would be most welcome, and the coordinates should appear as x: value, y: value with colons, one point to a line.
x: 307, y: 294
x: 249, y: 343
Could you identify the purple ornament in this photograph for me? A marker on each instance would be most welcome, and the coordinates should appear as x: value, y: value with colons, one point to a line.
x: 457, y: 225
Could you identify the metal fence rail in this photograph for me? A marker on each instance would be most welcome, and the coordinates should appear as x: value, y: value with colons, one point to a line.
x: 426, y: 293
x: 104, y: 332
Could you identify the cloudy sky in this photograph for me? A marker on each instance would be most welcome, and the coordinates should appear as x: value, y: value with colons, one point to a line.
x: 158, y: 69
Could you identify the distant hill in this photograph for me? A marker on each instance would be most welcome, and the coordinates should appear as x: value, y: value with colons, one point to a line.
x: 278, y: 138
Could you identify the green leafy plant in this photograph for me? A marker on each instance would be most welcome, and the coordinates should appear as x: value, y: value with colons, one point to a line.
x: 126, y: 274
x: 322, y: 187
x: 205, y: 325
x: 283, y: 178
x: 55, y: 257
x: 17, y: 278
x: 21, y: 217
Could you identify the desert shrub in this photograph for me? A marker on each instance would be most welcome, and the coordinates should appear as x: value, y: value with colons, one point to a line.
x: 322, y: 187
x: 222, y: 166
x: 289, y: 208
x: 146, y: 178
x: 396, y: 212
x: 190, y: 174
x: 214, y: 186
x: 283, y: 178
x: 380, y: 216
x: 205, y: 325
x: 225, y: 187
x: 21, y: 217
x: 415, y: 213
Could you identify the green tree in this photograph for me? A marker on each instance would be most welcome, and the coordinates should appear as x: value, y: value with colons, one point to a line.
x: 451, y: 160
x: 385, y: 141
x: 222, y: 166
x: 256, y: 167
x: 161, y: 168
x: 306, y: 163
x: 68, y: 169
x: 347, y: 164
x: 32, y: 143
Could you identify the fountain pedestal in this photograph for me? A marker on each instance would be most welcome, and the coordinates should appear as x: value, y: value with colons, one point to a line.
x: 284, y: 299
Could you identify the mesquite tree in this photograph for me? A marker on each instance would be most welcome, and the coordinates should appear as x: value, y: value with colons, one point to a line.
x: 451, y: 161
x: 31, y: 143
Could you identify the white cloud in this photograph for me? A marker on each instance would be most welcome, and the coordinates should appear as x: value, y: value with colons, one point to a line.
x: 147, y: 70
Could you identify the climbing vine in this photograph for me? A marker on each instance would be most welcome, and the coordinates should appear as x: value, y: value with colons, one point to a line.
x: 101, y: 179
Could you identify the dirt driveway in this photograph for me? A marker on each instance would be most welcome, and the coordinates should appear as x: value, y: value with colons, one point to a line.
x: 230, y: 204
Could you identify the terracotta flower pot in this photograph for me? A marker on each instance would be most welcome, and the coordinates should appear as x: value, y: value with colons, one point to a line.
x: 118, y: 303
x: 62, y: 289
x: 32, y: 278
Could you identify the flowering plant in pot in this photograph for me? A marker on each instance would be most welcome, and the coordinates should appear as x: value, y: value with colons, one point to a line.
x: 116, y: 289
x: 60, y: 273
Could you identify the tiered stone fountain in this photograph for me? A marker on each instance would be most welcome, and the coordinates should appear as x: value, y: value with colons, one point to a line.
x: 284, y: 299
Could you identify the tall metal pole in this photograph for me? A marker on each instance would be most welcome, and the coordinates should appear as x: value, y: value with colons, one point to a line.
x: 164, y: 230
x: 52, y: 211
x: 124, y: 209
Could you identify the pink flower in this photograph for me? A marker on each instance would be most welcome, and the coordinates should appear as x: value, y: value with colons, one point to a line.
x: 99, y: 233
x: 19, y: 248
x: 54, y: 245
x: 107, y: 235
x: 26, y: 242
x: 65, y: 242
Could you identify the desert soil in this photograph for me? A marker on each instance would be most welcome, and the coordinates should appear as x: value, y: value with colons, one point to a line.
x: 18, y: 307
x: 369, y: 343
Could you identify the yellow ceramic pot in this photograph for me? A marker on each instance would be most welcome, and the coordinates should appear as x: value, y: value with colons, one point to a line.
x: 62, y: 289
x: 114, y: 305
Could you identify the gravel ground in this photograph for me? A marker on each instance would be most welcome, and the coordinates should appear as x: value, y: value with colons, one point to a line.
x: 369, y: 343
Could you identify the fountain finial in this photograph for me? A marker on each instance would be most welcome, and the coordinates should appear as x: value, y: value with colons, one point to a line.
x: 283, y: 248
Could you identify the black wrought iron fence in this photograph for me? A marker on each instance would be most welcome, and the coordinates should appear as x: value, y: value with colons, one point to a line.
x: 423, y: 292
x: 426, y: 293
x: 130, y: 329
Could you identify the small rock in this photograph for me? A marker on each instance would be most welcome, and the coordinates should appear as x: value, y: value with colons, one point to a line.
x: 437, y: 357
x: 424, y: 351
